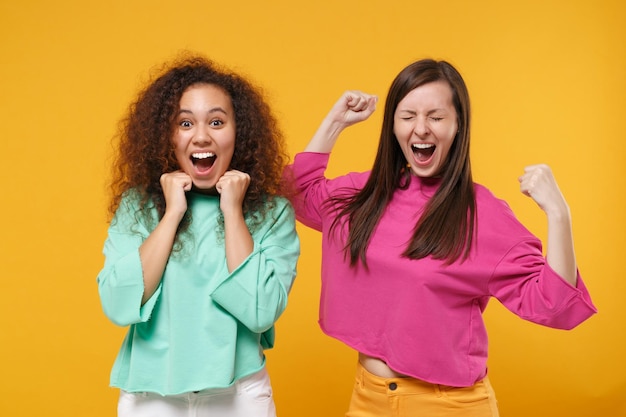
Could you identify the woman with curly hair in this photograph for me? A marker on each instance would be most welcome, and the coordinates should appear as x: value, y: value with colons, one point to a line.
x: 201, y: 250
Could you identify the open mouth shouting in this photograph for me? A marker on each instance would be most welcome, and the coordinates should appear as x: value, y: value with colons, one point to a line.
x: 203, y: 161
x: 423, y: 152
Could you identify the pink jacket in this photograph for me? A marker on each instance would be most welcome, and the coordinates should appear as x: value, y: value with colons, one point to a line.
x: 420, y: 316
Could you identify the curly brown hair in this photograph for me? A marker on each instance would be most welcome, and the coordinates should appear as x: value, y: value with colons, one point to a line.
x: 145, y: 151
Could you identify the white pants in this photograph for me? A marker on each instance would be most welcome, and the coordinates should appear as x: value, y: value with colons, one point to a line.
x: 248, y: 397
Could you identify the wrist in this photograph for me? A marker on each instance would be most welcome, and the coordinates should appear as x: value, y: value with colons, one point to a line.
x: 174, y: 217
x: 559, y: 212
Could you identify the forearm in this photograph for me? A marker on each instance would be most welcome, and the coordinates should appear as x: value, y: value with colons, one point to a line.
x: 326, y: 136
x: 560, y: 247
x: 352, y: 107
x: 256, y: 292
x: 155, y: 252
x: 538, y: 183
x: 237, y: 239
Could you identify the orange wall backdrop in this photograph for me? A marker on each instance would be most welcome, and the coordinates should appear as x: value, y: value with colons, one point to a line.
x: 548, y: 84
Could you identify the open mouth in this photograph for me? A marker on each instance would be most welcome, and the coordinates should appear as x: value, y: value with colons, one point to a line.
x: 203, y: 161
x: 423, y: 151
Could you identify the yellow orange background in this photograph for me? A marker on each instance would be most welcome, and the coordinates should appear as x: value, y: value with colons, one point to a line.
x: 548, y: 84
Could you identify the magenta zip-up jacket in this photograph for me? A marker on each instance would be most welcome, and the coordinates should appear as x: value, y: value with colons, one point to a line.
x: 422, y: 317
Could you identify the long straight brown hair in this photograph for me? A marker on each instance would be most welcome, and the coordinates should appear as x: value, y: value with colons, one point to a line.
x: 445, y: 229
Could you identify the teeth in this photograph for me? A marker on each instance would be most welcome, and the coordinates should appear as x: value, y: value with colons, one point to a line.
x: 202, y: 155
x: 422, y: 145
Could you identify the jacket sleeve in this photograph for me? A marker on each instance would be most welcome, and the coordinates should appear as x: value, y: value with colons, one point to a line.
x: 120, y: 282
x: 256, y: 292
x: 307, y: 176
x: 526, y: 285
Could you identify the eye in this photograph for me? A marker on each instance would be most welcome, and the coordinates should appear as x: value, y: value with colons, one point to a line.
x: 185, y: 124
x: 436, y: 119
x: 216, y: 122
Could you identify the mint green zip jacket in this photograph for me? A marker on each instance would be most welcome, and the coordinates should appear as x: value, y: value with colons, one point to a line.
x: 204, y: 327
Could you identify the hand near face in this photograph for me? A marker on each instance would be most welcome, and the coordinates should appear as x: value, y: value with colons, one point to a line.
x: 175, y: 185
x: 232, y: 187
x: 538, y: 183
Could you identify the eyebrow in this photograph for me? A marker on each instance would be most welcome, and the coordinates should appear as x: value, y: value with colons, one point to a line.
x: 414, y: 112
x: 212, y: 110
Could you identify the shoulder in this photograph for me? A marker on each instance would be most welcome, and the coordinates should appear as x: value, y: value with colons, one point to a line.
x: 315, y: 162
x: 496, y: 214
x: 131, y: 198
x: 276, y: 218
x: 134, y: 209
x: 485, y: 199
x: 275, y: 207
x: 347, y: 182
x: 279, y: 204
x: 129, y: 203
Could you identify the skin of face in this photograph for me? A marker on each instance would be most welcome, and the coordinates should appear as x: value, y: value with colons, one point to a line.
x: 425, y: 125
x: 204, y: 134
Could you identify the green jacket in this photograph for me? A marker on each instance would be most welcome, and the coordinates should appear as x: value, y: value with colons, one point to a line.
x: 204, y: 327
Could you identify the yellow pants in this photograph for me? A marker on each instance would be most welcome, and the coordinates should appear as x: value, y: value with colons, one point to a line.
x: 374, y: 396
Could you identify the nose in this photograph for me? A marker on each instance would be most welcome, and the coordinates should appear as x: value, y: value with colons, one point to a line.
x: 421, y: 127
x: 202, y: 135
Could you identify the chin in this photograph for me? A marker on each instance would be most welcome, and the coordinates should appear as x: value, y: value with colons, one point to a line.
x: 425, y: 173
x: 204, y: 185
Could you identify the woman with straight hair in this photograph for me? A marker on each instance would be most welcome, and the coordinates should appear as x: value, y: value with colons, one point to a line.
x: 413, y: 250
